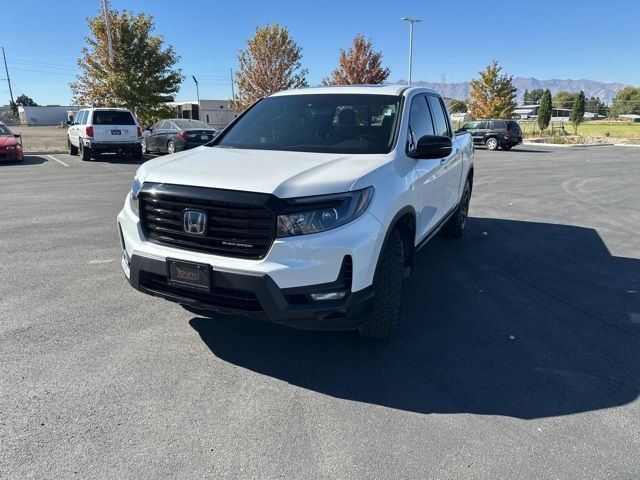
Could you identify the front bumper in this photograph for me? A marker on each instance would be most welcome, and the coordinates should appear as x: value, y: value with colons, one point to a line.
x: 11, y: 155
x: 255, y: 296
x: 276, y: 287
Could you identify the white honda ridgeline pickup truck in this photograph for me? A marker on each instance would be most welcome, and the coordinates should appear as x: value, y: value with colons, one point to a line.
x: 306, y: 211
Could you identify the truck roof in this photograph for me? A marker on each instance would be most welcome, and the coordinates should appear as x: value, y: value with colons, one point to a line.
x: 357, y: 89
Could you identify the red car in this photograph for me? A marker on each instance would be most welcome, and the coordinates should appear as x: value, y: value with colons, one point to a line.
x: 10, y: 145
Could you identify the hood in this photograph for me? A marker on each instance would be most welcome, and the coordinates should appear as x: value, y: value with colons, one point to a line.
x: 7, y: 140
x: 284, y: 174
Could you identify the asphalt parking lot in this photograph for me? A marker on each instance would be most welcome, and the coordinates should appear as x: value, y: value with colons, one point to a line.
x: 518, y: 356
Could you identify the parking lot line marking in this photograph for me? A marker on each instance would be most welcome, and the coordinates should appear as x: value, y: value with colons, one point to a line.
x: 59, y: 161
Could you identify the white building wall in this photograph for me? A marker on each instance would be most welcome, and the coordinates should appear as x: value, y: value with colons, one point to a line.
x: 45, y: 115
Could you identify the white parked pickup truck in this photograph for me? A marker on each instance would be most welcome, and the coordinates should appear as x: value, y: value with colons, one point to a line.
x: 306, y: 211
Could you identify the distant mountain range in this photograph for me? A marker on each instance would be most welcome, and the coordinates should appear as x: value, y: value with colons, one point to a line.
x: 606, y: 91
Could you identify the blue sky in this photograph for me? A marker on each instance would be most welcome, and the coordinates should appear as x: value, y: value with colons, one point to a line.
x: 544, y: 39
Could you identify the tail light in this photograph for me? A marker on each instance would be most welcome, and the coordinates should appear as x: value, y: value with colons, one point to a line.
x: 507, y: 133
x: 183, y: 135
x: 90, y: 131
x: 139, y: 132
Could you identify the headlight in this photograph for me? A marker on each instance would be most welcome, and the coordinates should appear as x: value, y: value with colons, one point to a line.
x: 133, y: 196
x: 317, y: 214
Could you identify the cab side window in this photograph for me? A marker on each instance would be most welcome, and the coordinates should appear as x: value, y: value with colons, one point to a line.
x: 420, y: 122
x: 439, y: 116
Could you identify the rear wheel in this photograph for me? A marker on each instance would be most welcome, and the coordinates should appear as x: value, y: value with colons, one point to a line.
x: 507, y: 147
x: 491, y: 143
x: 383, y: 318
x: 136, y: 153
x: 455, y: 225
x: 72, y: 149
x: 171, y: 147
x: 85, y: 153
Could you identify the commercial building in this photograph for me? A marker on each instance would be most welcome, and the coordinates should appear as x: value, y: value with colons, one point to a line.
x: 213, y: 112
x: 46, y: 115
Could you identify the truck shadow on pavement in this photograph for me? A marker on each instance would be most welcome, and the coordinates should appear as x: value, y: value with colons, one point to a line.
x: 520, y: 319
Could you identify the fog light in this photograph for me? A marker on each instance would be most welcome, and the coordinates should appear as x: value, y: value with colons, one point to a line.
x: 328, y: 296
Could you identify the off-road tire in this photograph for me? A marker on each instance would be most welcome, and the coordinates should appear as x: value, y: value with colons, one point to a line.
x: 72, y: 149
x: 455, y: 225
x: 85, y: 153
x: 492, y: 143
x: 383, y: 318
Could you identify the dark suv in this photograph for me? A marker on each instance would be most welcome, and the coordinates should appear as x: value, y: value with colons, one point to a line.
x: 494, y: 133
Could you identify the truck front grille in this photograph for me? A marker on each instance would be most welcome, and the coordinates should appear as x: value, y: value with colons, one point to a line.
x: 243, y: 227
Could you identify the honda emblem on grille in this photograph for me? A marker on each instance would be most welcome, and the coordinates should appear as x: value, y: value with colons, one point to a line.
x: 194, y: 222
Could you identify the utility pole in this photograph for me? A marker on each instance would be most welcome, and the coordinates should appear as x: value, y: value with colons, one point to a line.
x: 233, y: 94
x: 411, y: 22
x: 6, y: 69
x: 107, y: 24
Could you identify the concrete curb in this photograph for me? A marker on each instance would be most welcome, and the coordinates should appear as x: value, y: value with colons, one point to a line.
x: 572, y: 145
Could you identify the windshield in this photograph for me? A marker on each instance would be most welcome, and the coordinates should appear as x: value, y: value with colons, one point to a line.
x: 191, y: 124
x: 329, y: 123
x: 4, y: 131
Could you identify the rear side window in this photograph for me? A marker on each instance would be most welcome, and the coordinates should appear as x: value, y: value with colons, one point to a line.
x: 439, y: 118
x: 112, y: 117
x: 482, y: 125
x: 420, y: 123
x: 80, y: 116
x: 498, y: 125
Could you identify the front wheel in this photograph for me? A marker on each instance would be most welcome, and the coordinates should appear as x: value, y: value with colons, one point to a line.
x: 143, y: 145
x: 383, y: 318
x: 491, y: 143
x: 171, y: 147
x: 455, y: 225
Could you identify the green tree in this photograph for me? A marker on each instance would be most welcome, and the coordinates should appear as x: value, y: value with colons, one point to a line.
x: 270, y: 63
x: 564, y: 99
x: 360, y: 65
x: 142, y: 74
x: 457, y: 106
x: 492, y: 95
x: 626, y: 100
x: 533, y: 97
x: 24, y: 101
x: 545, y: 110
x: 577, y: 111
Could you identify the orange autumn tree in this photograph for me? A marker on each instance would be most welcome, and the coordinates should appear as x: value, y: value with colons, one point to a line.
x: 359, y: 65
x: 270, y: 63
x: 492, y: 95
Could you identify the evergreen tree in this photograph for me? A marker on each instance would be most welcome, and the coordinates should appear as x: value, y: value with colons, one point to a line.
x: 545, y: 110
x: 577, y: 112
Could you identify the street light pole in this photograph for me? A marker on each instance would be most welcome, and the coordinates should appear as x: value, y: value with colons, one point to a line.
x: 410, y: 21
x: 107, y: 24
x: 197, y: 94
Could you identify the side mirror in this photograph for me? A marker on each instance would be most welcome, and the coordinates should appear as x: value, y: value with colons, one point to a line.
x: 17, y: 135
x: 149, y: 129
x: 432, y: 146
x: 68, y: 122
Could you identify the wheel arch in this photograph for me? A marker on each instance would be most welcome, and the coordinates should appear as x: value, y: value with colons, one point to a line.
x: 405, y: 222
